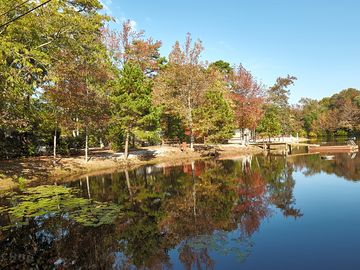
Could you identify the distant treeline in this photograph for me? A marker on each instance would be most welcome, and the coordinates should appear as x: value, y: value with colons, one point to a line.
x: 338, y: 115
x: 67, y: 82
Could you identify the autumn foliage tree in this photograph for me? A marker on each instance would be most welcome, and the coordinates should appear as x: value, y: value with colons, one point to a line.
x: 335, y: 115
x: 78, y: 95
x: 130, y: 45
x: 31, y: 48
x: 181, y: 86
x: 67, y: 78
x: 248, y: 97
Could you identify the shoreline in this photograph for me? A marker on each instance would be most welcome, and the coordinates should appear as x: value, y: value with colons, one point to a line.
x: 44, y: 170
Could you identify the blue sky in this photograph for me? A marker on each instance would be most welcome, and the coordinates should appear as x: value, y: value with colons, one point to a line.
x: 317, y: 41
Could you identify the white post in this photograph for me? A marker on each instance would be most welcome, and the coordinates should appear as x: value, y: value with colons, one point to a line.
x: 86, y: 145
x: 55, y: 144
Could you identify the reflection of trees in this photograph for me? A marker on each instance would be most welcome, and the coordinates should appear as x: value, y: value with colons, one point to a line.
x: 253, y: 204
x: 192, y: 207
x: 57, y: 241
x: 280, y: 183
x: 191, y: 257
x: 343, y: 165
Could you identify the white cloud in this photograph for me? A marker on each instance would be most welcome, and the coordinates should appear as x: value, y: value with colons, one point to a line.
x: 133, y: 24
x: 106, y: 4
x: 122, y: 19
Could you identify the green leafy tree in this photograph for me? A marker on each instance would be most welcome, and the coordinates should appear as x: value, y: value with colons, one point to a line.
x: 132, y: 110
x: 214, y: 119
x: 222, y: 66
x: 278, y: 96
x: 270, y: 124
x: 32, y: 47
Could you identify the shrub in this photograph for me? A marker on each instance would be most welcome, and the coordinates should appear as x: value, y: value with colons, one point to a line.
x: 341, y: 133
x: 302, y: 133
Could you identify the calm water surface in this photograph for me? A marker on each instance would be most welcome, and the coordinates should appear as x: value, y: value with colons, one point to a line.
x: 260, y: 212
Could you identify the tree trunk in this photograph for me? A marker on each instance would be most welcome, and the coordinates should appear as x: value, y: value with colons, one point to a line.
x: 126, y: 154
x: 133, y: 141
x: 190, y: 121
x: 101, y: 143
x: 128, y: 183
x: 191, y: 130
x: 88, y: 186
x: 86, y: 144
x: 55, y: 135
x: 103, y: 185
x: 194, y: 187
x: 191, y: 139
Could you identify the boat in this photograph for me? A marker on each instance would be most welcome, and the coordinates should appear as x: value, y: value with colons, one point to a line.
x: 328, y: 157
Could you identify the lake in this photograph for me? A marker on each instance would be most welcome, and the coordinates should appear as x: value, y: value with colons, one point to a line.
x: 251, y: 212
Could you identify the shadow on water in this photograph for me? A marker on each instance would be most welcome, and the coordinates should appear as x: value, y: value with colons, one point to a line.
x: 156, y: 217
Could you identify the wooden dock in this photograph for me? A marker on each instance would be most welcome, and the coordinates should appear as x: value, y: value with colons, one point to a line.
x: 310, y: 148
x: 287, y: 145
x: 335, y: 149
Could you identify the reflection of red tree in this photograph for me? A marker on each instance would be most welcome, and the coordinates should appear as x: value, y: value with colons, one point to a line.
x: 198, y: 168
x: 192, y: 258
x: 253, y: 204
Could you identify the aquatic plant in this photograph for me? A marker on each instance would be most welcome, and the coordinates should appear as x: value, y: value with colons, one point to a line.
x: 47, y: 201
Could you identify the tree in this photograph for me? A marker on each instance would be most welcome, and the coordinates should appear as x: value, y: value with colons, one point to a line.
x: 130, y: 45
x: 222, y: 66
x: 78, y: 95
x: 311, y: 110
x: 270, y: 124
x: 278, y: 96
x: 131, y: 100
x: 340, y: 112
x: 248, y: 97
x: 279, y: 93
x: 31, y: 47
x: 214, y: 119
x: 181, y: 86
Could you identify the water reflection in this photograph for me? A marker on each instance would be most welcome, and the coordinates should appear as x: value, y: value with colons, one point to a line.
x: 346, y: 165
x: 168, y: 217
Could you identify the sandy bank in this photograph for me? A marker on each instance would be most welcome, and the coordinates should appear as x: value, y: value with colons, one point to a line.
x: 45, y: 169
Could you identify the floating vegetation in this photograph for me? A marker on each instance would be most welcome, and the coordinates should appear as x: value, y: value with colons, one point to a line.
x: 48, y: 201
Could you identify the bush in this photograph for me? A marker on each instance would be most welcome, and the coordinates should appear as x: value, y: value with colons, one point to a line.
x: 17, y: 144
x: 312, y: 134
x: 341, y: 133
x: 116, y: 138
x: 147, y: 137
x: 93, y: 141
x: 70, y: 145
x: 302, y: 133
